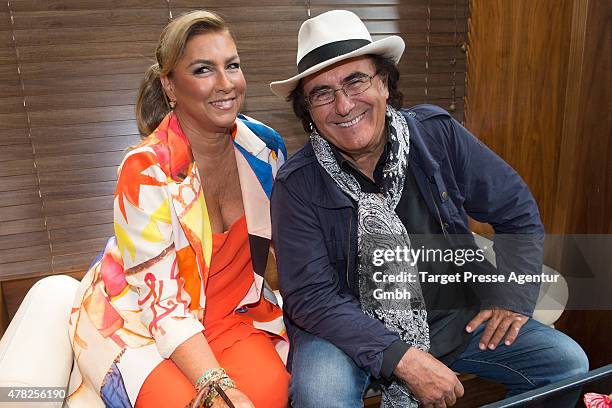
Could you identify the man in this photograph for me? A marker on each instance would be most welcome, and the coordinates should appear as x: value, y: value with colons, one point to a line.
x: 375, y: 178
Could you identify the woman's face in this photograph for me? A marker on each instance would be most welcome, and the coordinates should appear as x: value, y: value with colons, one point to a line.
x: 207, y: 83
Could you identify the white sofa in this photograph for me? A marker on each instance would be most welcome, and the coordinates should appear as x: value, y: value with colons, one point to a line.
x: 35, y: 350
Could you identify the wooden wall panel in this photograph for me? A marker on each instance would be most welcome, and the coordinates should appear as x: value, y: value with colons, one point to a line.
x: 538, y: 93
x: 516, y: 83
x: 590, y: 143
x: 80, y: 64
x: 23, y: 240
x: 587, y: 156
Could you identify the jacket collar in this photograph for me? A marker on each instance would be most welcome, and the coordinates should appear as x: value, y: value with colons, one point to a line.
x: 426, y: 158
x: 328, y: 195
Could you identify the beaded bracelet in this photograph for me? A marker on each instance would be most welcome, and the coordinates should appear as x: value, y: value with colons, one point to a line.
x: 212, y: 384
x: 210, y: 375
x: 217, y: 389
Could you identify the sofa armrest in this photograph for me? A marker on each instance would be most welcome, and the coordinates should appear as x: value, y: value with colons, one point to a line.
x: 552, y: 297
x: 35, y: 350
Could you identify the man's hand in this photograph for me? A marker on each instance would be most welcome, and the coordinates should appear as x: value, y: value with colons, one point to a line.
x: 502, y: 322
x: 432, y: 383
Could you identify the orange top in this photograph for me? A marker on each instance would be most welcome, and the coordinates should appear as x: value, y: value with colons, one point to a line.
x: 229, y: 278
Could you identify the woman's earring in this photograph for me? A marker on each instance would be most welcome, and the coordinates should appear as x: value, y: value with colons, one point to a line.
x: 172, y: 104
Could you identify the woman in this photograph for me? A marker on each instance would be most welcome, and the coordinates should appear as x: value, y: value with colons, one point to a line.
x: 177, y: 294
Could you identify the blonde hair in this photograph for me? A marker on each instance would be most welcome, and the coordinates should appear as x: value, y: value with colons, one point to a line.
x: 152, y: 104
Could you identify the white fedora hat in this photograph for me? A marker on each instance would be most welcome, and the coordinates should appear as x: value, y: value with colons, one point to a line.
x: 331, y: 37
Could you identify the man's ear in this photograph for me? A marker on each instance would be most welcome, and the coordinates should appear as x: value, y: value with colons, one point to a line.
x: 168, y: 87
x: 384, y: 81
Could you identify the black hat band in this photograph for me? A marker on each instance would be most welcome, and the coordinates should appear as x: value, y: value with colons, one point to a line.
x: 329, y: 51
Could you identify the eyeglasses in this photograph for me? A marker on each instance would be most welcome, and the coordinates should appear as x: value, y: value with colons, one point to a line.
x: 353, y: 87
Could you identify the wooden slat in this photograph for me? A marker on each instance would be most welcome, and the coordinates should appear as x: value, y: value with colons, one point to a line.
x: 20, y: 212
x: 80, y: 161
x: 408, y: 65
x: 71, y: 36
x: 413, y: 80
x: 6, y: 39
x: 73, y: 262
x: 12, y: 104
x: 9, y: 72
x: 76, y: 52
x: 101, y: 188
x: 24, y: 269
x: 19, y: 197
x: 63, y: 5
x: 86, y: 146
x: 22, y: 182
x: 77, y: 205
x: 54, y: 134
x: 61, y: 178
x: 88, y: 232
x: 81, y: 100
x: 72, y: 84
x: 439, y: 92
x: 24, y: 254
x: 4, y: 17
x: 23, y: 240
x: 79, y: 246
x: 22, y: 226
x: 90, y: 18
x: 7, y: 55
x: 81, y: 115
x: 79, y: 219
x: 58, y: 69
x: 11, y: 87
x: 17, y: 167
x: 13, y: 120
x: 16, y: 151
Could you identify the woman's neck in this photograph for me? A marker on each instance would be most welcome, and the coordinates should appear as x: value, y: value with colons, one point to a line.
x: 208, y: 148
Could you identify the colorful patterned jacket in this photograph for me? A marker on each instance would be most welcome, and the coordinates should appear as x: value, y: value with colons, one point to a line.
x: 148, y: 286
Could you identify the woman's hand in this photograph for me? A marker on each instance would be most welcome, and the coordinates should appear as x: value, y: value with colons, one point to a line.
x: 239, y: 399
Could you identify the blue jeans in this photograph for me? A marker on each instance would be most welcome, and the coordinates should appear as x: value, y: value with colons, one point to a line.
x: 324, y: 376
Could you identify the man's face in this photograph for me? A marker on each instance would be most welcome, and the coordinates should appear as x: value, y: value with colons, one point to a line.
x: 354, y: 124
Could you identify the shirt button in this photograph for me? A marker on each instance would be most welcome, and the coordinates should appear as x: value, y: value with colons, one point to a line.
x: 444, y: 195
x: 243, y: 309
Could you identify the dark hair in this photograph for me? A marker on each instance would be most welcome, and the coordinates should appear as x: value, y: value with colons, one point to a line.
x: 151, y: 103
x: 386, y: 69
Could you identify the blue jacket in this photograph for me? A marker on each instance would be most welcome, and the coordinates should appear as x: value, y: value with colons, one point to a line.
x: 315, y: 234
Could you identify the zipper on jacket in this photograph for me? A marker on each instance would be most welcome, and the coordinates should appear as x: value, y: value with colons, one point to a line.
x: 348, y: 249
x: 438, y: 211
